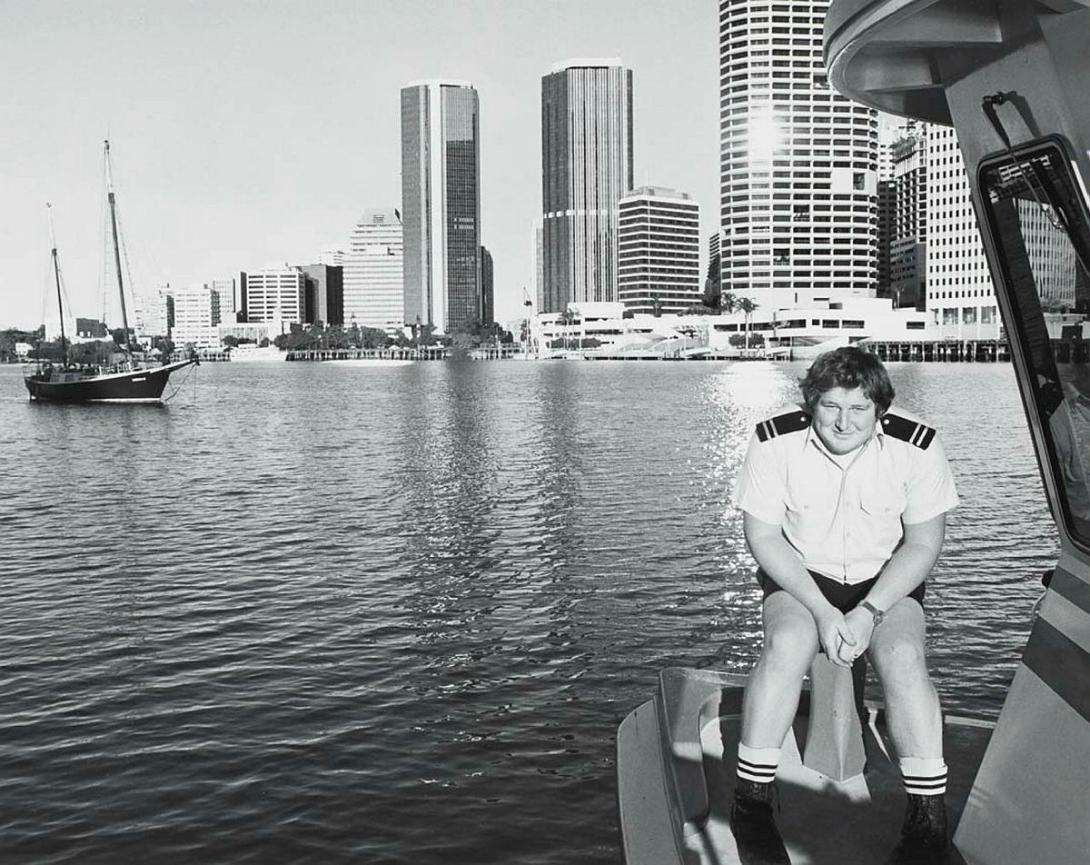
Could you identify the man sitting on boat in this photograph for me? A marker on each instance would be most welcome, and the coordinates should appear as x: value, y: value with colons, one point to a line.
x: 845, y: 512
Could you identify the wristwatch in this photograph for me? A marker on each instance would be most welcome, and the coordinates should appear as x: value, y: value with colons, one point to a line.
x: 874, y: 611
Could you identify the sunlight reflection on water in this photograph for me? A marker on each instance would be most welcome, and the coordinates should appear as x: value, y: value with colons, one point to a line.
x: 395, y: 614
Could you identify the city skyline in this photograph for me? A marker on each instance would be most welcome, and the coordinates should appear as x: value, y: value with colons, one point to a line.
x: 233, y: 146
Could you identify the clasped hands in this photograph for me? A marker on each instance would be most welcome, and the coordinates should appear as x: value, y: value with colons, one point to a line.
x: 845, y: 636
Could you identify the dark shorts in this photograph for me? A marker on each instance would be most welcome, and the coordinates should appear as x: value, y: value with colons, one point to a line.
x: 844, y: 598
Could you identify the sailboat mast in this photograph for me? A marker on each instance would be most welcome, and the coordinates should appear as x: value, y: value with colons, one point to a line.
x: 57, y: 277
x: 117, y: 245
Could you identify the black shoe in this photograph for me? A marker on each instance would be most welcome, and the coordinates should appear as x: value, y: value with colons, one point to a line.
x: 754, y: 827
x: 923, y: 836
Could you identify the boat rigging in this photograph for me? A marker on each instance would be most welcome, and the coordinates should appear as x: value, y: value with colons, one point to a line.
x: 127, y: 381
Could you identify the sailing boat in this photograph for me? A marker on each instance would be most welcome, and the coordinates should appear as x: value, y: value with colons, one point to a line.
x: 122, y: 382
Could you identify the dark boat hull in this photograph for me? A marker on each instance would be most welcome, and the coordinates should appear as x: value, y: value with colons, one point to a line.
x: 142, y: 385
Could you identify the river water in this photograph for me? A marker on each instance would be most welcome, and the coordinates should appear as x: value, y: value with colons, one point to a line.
x: 393, y: 614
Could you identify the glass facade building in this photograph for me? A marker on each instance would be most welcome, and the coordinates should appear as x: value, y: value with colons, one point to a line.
x: 586, y: 152
x: 441, y: 204
x: 798, y: 161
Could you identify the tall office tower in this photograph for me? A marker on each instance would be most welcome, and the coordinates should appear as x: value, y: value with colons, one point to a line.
x: 798, y: 165
x: 488, y: 297
x: 324, y: 286
x: 374, y: 280
x: 908, y: 223
x: 196, y: 316
x: 228, y: 292
x: 586, y: 167
x: 960, y: 295
x: 276, y: 294
x: 441, y: 203
x: 658, y: 258
x: 331, y: 256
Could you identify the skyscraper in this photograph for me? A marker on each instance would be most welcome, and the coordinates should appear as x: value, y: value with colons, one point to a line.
x: 658, y: 260
x: 798, y: 164
x: 374, y: 288
x: 586, y: 155
x: 961, y: 300
x: 441, y: 203
x: 908, y: 226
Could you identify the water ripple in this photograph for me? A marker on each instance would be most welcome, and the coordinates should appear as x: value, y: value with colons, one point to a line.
x: 313, y: 613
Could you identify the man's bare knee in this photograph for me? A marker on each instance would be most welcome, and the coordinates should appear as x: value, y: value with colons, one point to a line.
x: 789, y: 648
x: 900, y: 663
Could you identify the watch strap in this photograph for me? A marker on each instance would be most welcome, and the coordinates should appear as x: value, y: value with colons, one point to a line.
x: 877, y: 614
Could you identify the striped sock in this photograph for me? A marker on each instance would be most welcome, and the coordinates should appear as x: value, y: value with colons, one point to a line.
x: 924, y: 776
x: 757, y: 764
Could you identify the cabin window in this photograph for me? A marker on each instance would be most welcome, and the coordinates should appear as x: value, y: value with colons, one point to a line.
x: 1038, y: 221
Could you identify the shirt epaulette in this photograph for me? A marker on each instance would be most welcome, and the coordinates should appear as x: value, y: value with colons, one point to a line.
x: 918, y: 434
x: 792, y: 421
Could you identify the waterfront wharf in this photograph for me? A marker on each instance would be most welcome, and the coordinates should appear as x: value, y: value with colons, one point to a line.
x: 503, y: 351
x: 392, y: 353
x: 940, y: 351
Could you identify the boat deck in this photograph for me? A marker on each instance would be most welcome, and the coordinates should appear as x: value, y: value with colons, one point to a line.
x: 822, y: 821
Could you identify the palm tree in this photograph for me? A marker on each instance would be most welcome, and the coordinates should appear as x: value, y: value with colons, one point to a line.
x: 728, y: 302
x: 567, y: 318
x: 747, y: 306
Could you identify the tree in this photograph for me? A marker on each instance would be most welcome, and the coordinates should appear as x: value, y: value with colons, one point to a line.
x: 336, y: 337
x: 373, y: 337
x: 165, y: 346
x: 747, y: 340
x: 567, y: 318
x: 230, y: 341
x: 747, y: 306
x: 119, y: 335
x: 89, y: 353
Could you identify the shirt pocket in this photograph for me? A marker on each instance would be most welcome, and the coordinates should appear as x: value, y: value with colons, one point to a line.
x: 810, y: 509
x: 883, y: 502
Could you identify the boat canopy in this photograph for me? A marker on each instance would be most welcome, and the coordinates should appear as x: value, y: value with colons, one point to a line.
x: 899, y: 55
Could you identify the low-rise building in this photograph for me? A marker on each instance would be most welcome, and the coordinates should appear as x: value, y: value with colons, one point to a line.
x: 801, y: 331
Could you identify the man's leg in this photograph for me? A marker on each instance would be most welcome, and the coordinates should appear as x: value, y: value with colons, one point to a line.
x: 774, y: 685
x: 769, y: 706
x: 915, y: 726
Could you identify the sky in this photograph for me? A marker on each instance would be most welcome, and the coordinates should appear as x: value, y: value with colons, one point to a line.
x: 245, y: 132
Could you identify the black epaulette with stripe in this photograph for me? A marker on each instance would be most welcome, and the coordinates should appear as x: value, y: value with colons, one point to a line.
x: 792, y: 421
x: 918, y: 434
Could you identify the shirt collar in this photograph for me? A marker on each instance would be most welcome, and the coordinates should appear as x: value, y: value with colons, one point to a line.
x: 879, y: 435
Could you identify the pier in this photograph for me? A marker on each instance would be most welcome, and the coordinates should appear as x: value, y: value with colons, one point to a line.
x: 941, y: 351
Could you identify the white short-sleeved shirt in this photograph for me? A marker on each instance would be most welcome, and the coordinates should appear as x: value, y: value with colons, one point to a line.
x: 844, y: 515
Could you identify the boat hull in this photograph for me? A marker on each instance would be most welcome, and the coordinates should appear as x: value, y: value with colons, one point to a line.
x: 142, y: 385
